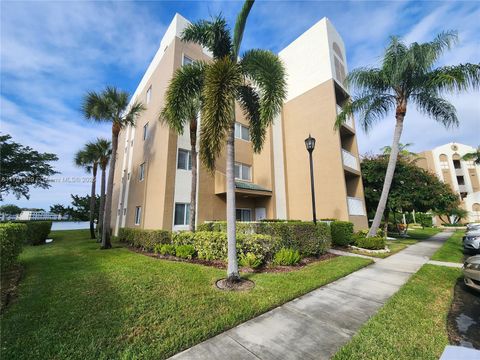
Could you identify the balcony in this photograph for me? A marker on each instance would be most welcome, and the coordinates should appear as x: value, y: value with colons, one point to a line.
x: 350, y: 160
x: 462, y: 188
x: 349, y: 121
x: 243, y: 188
x: 355, y: 206
x: 459, y: 171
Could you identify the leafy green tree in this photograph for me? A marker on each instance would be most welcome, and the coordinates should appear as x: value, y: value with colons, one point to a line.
x: 22, y: 167
x: 80, y: 209
x: 10, y: 209
x: 60, y: 210
x: 407, y: 76
x: 255, y: 80
x: 111, y: 105
x: 473, y: 156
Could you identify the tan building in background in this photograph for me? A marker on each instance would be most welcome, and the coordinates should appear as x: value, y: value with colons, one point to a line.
x: 463, y: 176
x: 153, y: 177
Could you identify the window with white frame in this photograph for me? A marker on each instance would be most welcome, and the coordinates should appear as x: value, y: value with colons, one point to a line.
x: 142, y: 172
x: 145, y: 131
x: 244, y: 214
x: 444, y: 165
x: 243, y: 172
x: 138, y: 215
x: 149, y: 94
x: 242, y: 132
x: 184, y: 160
x: 186, y: 60
x: 182, y: 214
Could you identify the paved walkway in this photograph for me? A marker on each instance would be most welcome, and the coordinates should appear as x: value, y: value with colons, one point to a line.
x: 317, y: 324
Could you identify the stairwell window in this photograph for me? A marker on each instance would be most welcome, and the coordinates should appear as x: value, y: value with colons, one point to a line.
x: 184, y: 160
x: 243, y: 172
x: 141, y: 176
x: 242, y: 132
x: 138, y: 215
x: 182, y: 214
x: 149, y: 95
x: 145, y: 131
x: 186, y: 60
x: 244, y: 214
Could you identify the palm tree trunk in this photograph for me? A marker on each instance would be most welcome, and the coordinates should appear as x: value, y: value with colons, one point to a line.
x: 232, y: 269
x: 92, y: 201
x: 392, y: 162
x: 101, y: 211
x: 193, y: 193
x: 106, y: 230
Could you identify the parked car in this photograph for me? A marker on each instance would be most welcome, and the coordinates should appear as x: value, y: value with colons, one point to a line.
x: 471, y: 241
x: 471, y: 272
x: 473, y: 226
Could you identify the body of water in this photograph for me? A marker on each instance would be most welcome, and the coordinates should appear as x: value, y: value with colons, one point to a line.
x: 70, y: 225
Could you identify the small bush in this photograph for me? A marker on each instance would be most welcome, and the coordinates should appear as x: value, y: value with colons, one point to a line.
x: 206, y: 226
x: 37, y: 231
x: 249, y: 260
x: 342, y: 232
x: 287, y: 257
x: 144, y: 239
x: 185, y: 251
x: 372, y: 243
x: 12, y: 237
x: 425, y: 220
x: 183, y: 238
x: 165, y: 249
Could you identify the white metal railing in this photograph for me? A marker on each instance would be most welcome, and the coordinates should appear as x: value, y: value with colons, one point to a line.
x: 459, y: 171
x: 350, y: 160
x: 355, y: 206
x: 462, y: 188
x: 349, y: 121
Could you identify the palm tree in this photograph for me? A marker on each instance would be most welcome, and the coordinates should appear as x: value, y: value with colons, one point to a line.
x: 103, y: 148
x: 87, y: 159
x: 182, y: 106
x: 473, y: 156
x: 403, y: 152
x: 256, y: 81
x: 111, y: 105
x: 407, y: 76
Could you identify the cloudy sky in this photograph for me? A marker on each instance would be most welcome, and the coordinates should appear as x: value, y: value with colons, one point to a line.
x: 53, y: 52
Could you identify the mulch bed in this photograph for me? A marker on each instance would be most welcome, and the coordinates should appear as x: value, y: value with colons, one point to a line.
x: 223, y: 265
x: 9, y: 283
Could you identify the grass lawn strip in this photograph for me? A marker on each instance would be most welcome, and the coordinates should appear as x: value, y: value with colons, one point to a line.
x: 78, y: 302
x: 452, y: 249
x: 412, y: 324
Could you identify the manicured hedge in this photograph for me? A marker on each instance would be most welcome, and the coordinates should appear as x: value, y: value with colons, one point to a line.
x: 306, y: 237
x: 377, y: 242
x: 37, y: 231
x: 12, y: 237
x: 342, y: 232
x: 144, y: 239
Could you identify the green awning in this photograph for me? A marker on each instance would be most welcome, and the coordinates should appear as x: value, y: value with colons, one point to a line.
x: 249, y: 186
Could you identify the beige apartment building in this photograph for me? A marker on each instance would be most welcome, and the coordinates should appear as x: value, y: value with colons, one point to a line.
x: 446, y: 162
x: 153, y: 177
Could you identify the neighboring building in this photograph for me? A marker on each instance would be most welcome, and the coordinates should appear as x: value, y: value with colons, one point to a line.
x: 462, y: 176
x: 153, y: 178
x: 7, y: 217
x: 38, y: 215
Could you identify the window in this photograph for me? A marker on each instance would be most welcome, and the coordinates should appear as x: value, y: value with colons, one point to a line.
x: 337, y: 50
x: 186, y: 60
x: 339, y: 70
x: 184, y: 160
x: 241, y: 132
x: 145, y: 131
x: 149, y: 94
x: 244, y: 214
x: 138, y: 215
x: 128, y: 176
x: 460, y: 180
x: 242, y: 171
x: 456, y: 164
x: 124, y: 211
x: 131, y: 143
x: 182, y: 214
x: 142, y: 172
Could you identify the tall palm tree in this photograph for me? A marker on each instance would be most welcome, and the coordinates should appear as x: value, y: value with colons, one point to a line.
x: 407, y: 75
x: 182, y: 106
x: 87, y: 159
x: 473, y: 156
x: 103, y: 149
x: 256, y: 81
x: 111, y: 105
x: 403, y: 152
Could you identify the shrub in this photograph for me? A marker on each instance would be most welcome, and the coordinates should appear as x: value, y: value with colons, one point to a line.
x: 424, y: 219
x: 164, y: 249
x: 185, y: 251
x: 144, y: 239
x: 183, y: 238
x: 37, y: 231
x: 210, y: 245
x: 286, y: 257
x: 249, y: 260
x: 206, y: 226
x: 342, y: 232
x: 373, y: 243
x: 12, y: 237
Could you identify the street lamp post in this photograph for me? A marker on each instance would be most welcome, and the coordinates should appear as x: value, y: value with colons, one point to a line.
x: 310, y: 145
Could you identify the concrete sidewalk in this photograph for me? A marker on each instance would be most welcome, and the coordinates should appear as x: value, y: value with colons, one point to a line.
x: 317, y: 324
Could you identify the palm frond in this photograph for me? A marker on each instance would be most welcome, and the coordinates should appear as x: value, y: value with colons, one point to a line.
x: 372, y: 79
x: 394, y: 60
x: 423, y: 56
x: 240, y: 27
x: 132, y: 112
x: 454, y: 78
x: 213, y: 35
x: 249, y: 100
x: 222, y: 78
x: 436, y: 107
x: 94, y: 107
x: 182, y: 99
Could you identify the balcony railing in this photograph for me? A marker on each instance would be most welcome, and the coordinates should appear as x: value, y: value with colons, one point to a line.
x: 462, y: 188
x: 350, y: 160
x: 349, y: 121
x: 355, y: 206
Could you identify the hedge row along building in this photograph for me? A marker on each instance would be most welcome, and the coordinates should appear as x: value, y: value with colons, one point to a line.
x: 153, y: 177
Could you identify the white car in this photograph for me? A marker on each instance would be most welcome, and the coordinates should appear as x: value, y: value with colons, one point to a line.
x: 471, y: 272
x: 471, y: 241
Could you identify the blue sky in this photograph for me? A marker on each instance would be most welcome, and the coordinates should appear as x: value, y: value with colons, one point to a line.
x: 53, y: 52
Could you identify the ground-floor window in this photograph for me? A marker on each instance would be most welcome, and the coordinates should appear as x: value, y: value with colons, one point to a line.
x: 244, y: 215
x: 138, y: 215
x: 182, y: 214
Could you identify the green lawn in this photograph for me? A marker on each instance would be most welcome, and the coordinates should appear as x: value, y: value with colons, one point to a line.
x: 412, y: 324
x: 422, y: 234
x: 452, y: 249
x: 79, y: 302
